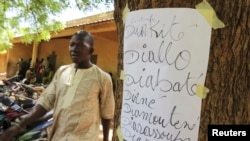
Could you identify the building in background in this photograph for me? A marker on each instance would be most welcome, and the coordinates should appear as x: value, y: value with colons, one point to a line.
x: 101, y: 26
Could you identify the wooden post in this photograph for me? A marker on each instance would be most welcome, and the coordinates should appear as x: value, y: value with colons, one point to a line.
x: 228, y: 74
x: 34, y: 54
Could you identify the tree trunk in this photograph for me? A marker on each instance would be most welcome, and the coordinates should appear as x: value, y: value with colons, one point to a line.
x: 228, y: 77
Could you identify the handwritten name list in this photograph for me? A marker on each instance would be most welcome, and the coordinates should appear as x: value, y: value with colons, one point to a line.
x: 165, y: 55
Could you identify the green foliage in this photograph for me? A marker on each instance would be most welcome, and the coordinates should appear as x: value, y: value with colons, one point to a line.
x: 35, y: 20
x: 88, y: 5
x: 5, y: 36
x: 29, y: 19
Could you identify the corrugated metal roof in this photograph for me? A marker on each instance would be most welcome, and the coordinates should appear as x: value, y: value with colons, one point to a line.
x: 108, y: 16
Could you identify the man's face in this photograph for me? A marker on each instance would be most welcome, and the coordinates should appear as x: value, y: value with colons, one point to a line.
x: 79, y: 49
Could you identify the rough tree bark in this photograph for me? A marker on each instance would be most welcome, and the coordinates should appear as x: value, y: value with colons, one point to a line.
x: 228, y: 74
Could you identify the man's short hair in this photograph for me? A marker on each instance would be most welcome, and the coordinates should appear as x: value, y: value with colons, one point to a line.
x: 85, y: 35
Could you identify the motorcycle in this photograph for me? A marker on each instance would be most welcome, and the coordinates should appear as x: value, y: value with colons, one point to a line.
x: 11, y: 114
x: 37, y: 130
x: 16, y: 99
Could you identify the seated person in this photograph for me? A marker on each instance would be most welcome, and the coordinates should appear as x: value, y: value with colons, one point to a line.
x: 49, y: 75
x: 30, y: 77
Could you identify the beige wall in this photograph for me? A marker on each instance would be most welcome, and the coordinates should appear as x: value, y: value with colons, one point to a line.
x: 3, y: 65
x: 105, y: 50
x: 3, y: 62
x: 60, y: 46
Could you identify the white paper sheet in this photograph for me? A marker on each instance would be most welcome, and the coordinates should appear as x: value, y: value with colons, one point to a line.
x: 166, y: 54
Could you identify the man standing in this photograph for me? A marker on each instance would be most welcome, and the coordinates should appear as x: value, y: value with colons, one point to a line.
x: 80, y: 94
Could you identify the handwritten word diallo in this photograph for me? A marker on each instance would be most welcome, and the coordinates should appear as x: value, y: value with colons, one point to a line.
x: 181, y: 61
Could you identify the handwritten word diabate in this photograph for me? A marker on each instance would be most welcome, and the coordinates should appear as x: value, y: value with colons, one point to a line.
x: 154, y: 82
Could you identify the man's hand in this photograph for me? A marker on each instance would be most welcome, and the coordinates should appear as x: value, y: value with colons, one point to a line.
x: 11, y: 133
x: 37, y: 112
x: 106, y: 126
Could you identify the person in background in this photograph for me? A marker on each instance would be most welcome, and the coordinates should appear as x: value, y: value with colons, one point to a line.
x: 40, y: 71
x: 80, y: 94
x: 21, y: 71
x: 46, y: 63
x: 18, y: 69
x: 30, y: 76
x: 52, y: 60
x: 48, y: 75
x: 26, y: 65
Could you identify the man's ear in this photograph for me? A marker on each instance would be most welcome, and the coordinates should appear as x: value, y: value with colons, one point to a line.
x: 91, y: 50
